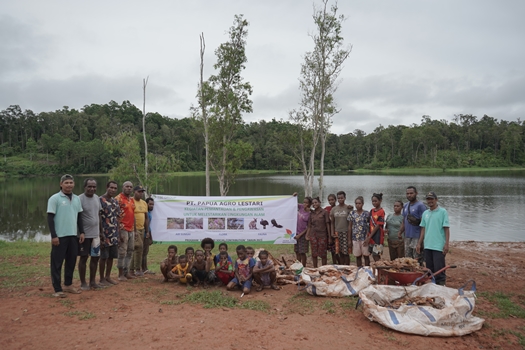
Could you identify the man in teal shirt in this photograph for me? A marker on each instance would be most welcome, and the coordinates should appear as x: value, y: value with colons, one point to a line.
x: 435, y: 235
x: 63, y: 218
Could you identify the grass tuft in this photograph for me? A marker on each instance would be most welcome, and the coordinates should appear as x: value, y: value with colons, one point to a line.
x: 209, y: 300
x: 504, y: 304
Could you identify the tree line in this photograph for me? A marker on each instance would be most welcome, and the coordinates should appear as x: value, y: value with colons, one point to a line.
x: 87, y: 141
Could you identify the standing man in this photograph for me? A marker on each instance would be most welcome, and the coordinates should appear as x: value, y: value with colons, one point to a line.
x: 148, y: 239
x: 435, y: 235
x: 90, y: 240
x: 412, y: 212
x: 64, y: 219
x: 126, y: 231
x: 110, y: 228
x: 141, y: 227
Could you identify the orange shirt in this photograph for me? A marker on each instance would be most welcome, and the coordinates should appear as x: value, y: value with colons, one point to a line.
x: 127, y: 212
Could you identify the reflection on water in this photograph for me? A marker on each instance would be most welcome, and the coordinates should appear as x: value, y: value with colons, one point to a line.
x: 483, y: 208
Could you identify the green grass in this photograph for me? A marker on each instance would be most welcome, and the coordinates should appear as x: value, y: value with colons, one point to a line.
x: 82, y: 315
x: 213, y: 299
x: 257, y: 305
x: 348, y: 304
x: 23, y: 264
x: 328, y: 306
x: 505, y: 305
x: 300, y: 303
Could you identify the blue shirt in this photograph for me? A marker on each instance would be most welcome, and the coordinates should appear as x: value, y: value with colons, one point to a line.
x: 149, y: 226
x: 417, y: 210
x: 218, y: 258
x: 66, y: 213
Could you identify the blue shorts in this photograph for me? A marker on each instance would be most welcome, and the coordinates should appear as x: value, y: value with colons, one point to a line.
x: 245, y: 284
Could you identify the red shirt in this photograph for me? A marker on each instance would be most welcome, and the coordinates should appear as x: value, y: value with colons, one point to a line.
x: 127, y: 210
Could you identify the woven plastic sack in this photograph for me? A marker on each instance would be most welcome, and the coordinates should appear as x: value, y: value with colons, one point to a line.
x: 452, y: 318
x: 337, y: 280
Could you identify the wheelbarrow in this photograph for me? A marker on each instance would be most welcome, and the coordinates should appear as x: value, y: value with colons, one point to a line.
x: 406, y: 278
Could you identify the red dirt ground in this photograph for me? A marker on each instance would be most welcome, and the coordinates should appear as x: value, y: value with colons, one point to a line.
x: 144, y: 314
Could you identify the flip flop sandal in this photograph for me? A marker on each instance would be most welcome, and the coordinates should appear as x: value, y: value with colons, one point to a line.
x: 59, y: 295
x: 259, y: 288
x: 72, y: 290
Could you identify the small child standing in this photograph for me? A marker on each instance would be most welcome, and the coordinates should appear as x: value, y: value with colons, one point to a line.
x: 264, y: 272
x: 181, y: 271
x: 358, y: 224
x: 169, y: 263
x: 200, y: 269
x: 396, y: 246
x: 243, y: 271
x: 224, y: 268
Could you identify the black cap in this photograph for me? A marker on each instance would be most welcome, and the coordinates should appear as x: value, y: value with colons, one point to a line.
x: 139, y: 188
x: 431, y: 194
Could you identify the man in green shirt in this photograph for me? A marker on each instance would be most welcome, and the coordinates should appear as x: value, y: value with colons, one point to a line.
x: 63, y: 218
x: 435, y: 236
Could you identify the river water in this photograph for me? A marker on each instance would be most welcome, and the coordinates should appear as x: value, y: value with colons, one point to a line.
x: 481, y: 206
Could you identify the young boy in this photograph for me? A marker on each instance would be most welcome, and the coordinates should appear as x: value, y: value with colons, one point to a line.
x: 208, y: 244
x: 169, y: 263
x: 181, y: 271
x: 200, y: 270
x: 224, y: 268
x: 250, y: 252
x: 264, y: 272
x: 223, y: 247
x: 243, y: 271
x: 190, y: 255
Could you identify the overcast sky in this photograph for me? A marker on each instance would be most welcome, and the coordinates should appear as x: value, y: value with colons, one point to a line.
x: 409, y: 58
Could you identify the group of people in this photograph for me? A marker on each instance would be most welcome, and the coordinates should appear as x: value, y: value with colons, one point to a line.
x: 112, y: 226
x: 411, y: 230
x: 204, y: 268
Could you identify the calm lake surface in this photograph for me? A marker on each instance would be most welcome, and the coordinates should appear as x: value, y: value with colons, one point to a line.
x: 482, y: 207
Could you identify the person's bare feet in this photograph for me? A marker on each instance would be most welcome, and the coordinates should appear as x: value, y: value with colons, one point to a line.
x: 84, y: 286
x: 104, y: 283
x: 122, y: 278
x: 94, y: 285
x: 130, y: 277
x: 111, y: 280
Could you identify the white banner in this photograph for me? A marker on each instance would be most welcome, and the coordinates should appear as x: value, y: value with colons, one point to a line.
x: 265, y: 219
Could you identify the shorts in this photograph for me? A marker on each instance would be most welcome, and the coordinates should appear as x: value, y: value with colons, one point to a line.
x: 245, y: 284
x: 90, y: 246
x: 110, y: 252
x: 360, y: 249
x: 319, y: 245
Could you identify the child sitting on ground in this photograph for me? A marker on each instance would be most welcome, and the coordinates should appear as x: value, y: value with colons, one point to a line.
x: 223, y: 247
x: 169, y: 263
x: 181, y: 271
x: 190, y: 255
x: 264, y: 272
x: 208, y: 244
x: 250, y: 252
x: 224, y: 268
x: 243, y: 271
x: 201, y: 269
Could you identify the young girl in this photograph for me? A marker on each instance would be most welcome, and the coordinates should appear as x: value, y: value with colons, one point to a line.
x: 396, y: 246
x: 181, y: 271
x: 264, y: 272
x: 303, y: 215
x: 338, y: 218
x: 333, y: 240
x: 224, y: 268
x: 358, y: 224
x: 319, y: 230
x: 377, y: 221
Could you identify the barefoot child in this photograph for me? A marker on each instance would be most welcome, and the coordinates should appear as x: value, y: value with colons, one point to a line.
x: 190, y: 255
x: 224, y: 268
x: 264, y: 272
x: 200, y: 269
x: 208, y: 244
x: 333, y: 240
x: 319, y: 228
x: 396, y: 246
x: 181, y: 271
x: 358, y: 224
x: 243, y: 271
x: 377, y: 221
x: 170, y: 262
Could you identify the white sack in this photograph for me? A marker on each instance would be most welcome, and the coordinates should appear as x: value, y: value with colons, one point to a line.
x: 350, y: 283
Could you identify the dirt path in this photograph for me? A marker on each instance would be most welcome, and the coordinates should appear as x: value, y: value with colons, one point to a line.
x: 145, y: 314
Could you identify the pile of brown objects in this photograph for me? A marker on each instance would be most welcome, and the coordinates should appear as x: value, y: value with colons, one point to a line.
x: 416, y: 300
x: 399, y: 265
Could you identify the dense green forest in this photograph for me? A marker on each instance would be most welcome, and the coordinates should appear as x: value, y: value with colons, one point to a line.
x: 79, y: 141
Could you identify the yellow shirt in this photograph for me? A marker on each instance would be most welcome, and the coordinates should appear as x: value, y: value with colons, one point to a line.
x: 141, y: 208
